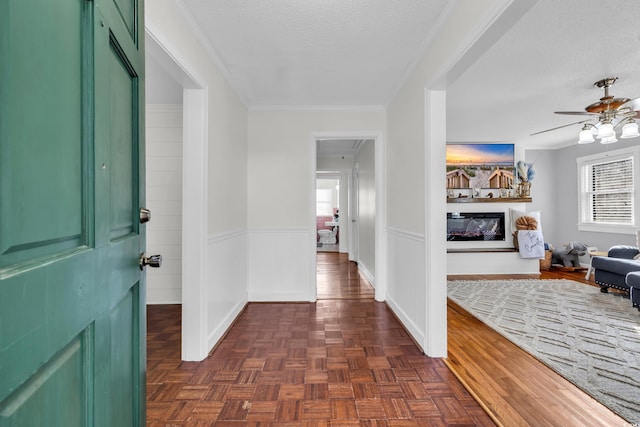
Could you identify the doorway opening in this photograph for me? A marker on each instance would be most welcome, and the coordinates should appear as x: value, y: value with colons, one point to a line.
x: 345, y: 217
x: 328, y: 214
x: 188, y: 222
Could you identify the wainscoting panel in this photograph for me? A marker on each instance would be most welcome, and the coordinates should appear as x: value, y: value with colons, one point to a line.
x: 406, y: 287
x: 227, y: 282
x: 278, y: 264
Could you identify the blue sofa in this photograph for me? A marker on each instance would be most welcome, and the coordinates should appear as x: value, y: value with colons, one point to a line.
x: 633, y: 281
x: 611, y: 271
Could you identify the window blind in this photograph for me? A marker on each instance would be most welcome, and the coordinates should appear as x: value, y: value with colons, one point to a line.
x: 607, y: 195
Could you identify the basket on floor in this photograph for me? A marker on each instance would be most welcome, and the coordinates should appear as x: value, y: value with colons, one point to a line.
x: 545, y: 263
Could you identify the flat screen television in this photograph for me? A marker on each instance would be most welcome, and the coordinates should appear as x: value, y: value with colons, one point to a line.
x: 480, y: 166
x: 464, y: 226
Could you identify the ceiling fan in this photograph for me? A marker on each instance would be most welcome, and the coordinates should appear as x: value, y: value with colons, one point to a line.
x: 605, y: 116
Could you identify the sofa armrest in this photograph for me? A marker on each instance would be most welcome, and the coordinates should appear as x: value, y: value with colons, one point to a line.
x: 623, y: 251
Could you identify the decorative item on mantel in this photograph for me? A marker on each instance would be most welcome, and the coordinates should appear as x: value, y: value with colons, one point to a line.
x: 525, y: 175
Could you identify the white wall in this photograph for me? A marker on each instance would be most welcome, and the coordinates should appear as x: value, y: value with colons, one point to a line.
x: 164, y: 199
x: 281, y: 207
x: 366, y: 220
x: 280, y: 240
x: 416, y: 134
x: 556, y: 184
x: 543, y: 191
x: 211, y: 302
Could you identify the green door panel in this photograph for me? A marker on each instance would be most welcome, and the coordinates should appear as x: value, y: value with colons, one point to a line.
x: 59, y: 385
x: 41, y: 155
x: 124, y: 379
x: 72, y: 306
x: 127, y: 10
x: 124, y: 153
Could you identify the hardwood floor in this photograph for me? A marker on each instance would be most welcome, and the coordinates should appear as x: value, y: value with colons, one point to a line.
x: 346, y: 361
x: 338, y: 278
x: 514, y: 387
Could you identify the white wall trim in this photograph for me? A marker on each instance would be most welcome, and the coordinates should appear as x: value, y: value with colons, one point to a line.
x: 494, y: 24
x: 367, y: 274
x: 194, y: 225
x: 381, y: 220
x: 407, y: 284
x: 435, y: 344
x: 227, y: 282
x: 220, y: 237
x: 380, y: 179
x: 164, y: 108
x: 218, y: 333
x: 164, y: 296
x: 194, y: 194
x: 407, y: 234
x: 414, y: 330
x: 163, y: 51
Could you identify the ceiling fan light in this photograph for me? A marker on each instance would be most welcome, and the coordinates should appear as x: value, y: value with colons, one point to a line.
x: 606, y: 131
x: 586, y: 136
x: 630, y: 130
x: 609, y: 140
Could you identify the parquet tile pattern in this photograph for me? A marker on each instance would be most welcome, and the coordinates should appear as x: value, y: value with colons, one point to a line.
x: 336, y: 362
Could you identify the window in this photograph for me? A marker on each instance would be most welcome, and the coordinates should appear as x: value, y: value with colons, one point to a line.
x: 608, y: 196
x: 324, y: 202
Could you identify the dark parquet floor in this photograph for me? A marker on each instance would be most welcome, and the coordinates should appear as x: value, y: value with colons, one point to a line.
x: 342, y: 361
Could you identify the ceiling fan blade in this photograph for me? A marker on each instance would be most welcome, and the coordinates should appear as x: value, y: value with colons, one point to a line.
x: 576, y: 113
x: 560, y: 127
x: 633, y: 105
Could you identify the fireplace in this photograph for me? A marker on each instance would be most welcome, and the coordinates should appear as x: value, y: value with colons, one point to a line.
x: 466, y: 226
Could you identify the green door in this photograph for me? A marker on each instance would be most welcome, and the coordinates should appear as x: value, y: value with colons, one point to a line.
x: 72, y: 294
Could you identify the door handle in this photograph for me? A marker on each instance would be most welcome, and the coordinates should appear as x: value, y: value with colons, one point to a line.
x: 145, y: 215
x: 152, y: 261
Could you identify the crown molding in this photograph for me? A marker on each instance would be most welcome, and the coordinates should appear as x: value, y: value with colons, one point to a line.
x: 319, y: 108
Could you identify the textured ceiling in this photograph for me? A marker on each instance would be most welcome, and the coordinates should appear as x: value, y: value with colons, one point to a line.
x: 329, y: 52
x: 547, y: 62
x: 357, y: 53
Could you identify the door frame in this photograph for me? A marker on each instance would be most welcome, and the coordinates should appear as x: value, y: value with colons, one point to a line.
x: 343, y: 176
x: 194, y: 192
x: 354, y: 212
x: 380, y: 273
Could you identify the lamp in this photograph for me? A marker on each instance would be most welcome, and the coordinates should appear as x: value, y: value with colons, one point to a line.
x: 630, y: 130
x: 612, y: 114
x: 606, y: 131
x: 586, y: 134
x: 607, y: 116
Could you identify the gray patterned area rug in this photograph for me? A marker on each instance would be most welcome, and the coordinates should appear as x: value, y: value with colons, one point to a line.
x: 590, y: 338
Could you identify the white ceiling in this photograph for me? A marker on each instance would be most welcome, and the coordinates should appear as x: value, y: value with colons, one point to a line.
x: 358, y: 52
x: 547, y: 62
x: 316, y: 52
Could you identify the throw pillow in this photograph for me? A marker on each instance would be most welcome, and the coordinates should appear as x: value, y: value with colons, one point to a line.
x: 637, y: 243
x: 515, y: 214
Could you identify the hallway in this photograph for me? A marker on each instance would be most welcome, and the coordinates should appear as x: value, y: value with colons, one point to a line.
x: 344, y: 360
x: 339, y: 278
